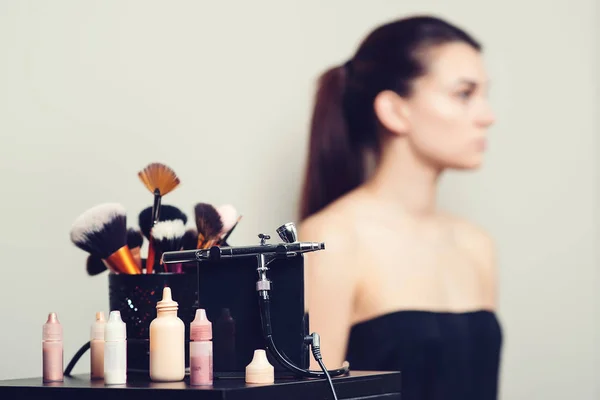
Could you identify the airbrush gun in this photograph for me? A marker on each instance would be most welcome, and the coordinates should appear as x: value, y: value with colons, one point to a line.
x: 265, y: 253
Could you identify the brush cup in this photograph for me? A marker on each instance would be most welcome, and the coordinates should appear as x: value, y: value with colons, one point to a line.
x: 135, y: 296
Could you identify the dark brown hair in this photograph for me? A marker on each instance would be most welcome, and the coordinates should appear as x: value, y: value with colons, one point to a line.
x: 344, y: 125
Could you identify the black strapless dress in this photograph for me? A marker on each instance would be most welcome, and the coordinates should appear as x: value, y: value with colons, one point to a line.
x: 441, y: 355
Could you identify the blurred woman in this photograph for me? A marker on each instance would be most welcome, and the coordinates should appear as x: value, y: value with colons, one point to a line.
x: 402, y: 285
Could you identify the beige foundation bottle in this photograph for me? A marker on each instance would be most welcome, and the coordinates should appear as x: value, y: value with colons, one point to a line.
x: 167, y: 342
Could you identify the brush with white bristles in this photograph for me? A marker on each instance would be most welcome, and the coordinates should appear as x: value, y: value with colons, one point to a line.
x: 208, y: 224
x: 102, y: 232
x: 230, y: 219
x: 167, y: 236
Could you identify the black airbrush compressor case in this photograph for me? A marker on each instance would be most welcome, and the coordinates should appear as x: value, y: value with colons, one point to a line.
x: 227, y: 291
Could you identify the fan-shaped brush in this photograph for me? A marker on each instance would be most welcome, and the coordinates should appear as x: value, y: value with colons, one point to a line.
x: 95, y: 265
x: 208, y: 223
x: 102, y: 232
x: 159, y: 180
x: 167, y: 236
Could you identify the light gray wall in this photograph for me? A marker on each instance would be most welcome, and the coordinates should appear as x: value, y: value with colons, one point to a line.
x: 90, y: 92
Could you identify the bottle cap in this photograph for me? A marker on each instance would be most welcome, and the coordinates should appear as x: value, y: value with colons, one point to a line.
x: 201, y: 327
x: 115, y: 329
x: 52, y: 330
x: 260, y: 370
x: 167, y: 302
x: 98, y: 326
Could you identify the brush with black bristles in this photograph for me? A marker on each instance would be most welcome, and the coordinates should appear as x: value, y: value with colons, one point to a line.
x: 167, y: 236
x: 190, y: 239
x: 209, y: 225
x: 167, y: 213
x: 95, y: 265
x: 159, y: 180
x: 189, y: 242
x: 102, y: 232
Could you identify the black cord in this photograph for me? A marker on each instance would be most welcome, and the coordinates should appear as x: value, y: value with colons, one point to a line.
x: 328, y: 379
x: 76, y: 358
x: 265, y: 315
x: 313, y: 341
x: 315, y: 345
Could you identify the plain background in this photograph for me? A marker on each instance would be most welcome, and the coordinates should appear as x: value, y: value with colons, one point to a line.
x: 91, y: 92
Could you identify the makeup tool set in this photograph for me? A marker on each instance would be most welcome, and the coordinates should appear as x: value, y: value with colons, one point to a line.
x: 196, y: 305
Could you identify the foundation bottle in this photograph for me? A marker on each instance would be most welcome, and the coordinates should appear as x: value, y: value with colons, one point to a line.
x: 115, y: 350
x: 201, y: 350
x: 167, y: 342
x: 52, y: 350
x: 97, y: 347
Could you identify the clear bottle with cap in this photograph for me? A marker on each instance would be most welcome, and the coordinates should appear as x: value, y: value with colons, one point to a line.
x: 97, y: 347
x: 167, y: 342
x: 201, y: 350
x: 115, y: 350
x: 52, y: 350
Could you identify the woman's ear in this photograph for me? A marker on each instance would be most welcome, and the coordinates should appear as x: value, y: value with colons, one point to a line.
x: 392, y: 112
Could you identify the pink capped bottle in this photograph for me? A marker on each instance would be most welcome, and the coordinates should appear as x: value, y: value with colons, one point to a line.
x: 52, y: 350
x: 201, y: 350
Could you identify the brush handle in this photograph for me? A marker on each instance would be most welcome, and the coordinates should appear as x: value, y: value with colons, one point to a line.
x: 201, y: 241
x: 122, y: 261
x: 151, y: 256
x: 156, y: 207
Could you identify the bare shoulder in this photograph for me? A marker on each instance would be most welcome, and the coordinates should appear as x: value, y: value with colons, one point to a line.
x: 479, y: 246
x: 336, y: 226
x: 476, y: 242
x: 473, y: 237
x: 333, y: 225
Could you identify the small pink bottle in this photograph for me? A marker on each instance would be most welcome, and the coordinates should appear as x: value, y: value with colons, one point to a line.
x: 201, y: 350
x: 52, y: 350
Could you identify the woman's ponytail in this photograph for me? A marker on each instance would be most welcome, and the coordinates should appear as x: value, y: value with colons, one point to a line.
x: 335, y: 164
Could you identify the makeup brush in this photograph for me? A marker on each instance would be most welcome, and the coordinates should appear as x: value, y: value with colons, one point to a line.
x: 135, y: 240
x: 190, y: 239
x: 102, y: 232
x: 94, y: 265
x: 167, y: 236
x: 167, y: 213
x: 208, y: 223
x: 223, y: 240
x: 159, y: 180
x: 228, y: 215
x: 189, y: 242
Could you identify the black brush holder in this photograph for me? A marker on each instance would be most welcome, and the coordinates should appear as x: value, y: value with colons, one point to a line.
x: 226, y: 289
x: 135, y: 296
